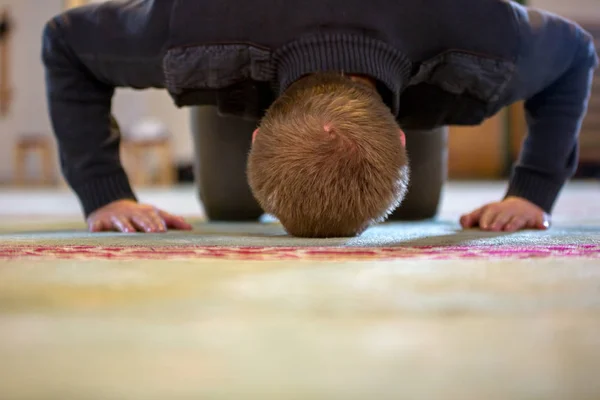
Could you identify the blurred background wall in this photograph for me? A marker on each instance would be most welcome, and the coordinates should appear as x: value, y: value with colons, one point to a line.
x: 28, y: 111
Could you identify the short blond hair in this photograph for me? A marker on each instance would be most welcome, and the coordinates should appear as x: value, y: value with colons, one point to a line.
x: 328, y: 161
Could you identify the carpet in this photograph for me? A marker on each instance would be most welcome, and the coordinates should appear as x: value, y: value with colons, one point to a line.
x: 393, y: 241
x: 230, y: 311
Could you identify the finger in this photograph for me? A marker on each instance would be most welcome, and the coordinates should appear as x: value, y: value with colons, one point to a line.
x: 471, y: 219
x: 157, y: 221
x: 466, y: 221
x: 98, y: 225
x: 542, y: 221
x: 488, y: 216
x: 174, y: 221
x: 143, y: 223
x: 122, y: 224
x: 515, y: 224
x: 500, y: 221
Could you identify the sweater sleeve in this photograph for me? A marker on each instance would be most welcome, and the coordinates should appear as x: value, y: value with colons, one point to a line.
x: 87, y: 135
x: 555, y: 105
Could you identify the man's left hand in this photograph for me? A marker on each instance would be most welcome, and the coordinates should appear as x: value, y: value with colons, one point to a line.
x: 508, y: 215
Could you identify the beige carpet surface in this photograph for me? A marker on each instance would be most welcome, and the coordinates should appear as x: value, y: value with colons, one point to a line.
x: 406, y: 311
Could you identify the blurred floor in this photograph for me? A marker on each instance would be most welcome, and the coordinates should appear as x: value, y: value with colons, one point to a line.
x: 232, y: 311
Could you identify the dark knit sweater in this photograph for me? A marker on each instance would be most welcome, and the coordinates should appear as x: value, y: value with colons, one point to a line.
x: 437, y: 63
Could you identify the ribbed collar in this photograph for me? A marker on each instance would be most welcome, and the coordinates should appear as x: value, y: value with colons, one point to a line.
x: 347, y: 53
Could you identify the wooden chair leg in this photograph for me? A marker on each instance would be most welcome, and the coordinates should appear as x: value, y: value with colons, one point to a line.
x: 140, y: 173
x: 131, y: 163
x: 126, y: 160
x: 134, y: 160
x: 167, y: 174
x: 47, y: 165
x: 142, y: 166
x: 20, y: 164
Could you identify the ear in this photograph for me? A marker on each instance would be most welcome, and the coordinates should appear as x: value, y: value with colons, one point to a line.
x: 402, y: 137
x: 254, y: 135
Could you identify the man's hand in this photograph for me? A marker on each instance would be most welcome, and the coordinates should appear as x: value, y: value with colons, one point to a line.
x: 130, y: 216
x: 508, y: 215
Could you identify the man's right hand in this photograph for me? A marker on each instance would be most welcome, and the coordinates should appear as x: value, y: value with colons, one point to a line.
x: 129, y: 216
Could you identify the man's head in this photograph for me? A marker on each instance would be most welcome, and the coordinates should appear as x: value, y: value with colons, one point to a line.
x: 328, y: 159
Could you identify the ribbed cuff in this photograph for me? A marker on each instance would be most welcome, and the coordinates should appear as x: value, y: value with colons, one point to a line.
x: 535, y: 187
x: 104, y: 190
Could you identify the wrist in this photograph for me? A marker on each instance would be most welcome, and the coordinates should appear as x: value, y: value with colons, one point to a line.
x: 101, y: 191
x: 538, y: 189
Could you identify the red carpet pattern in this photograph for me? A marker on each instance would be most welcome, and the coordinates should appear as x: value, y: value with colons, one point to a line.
x: 588, y: 251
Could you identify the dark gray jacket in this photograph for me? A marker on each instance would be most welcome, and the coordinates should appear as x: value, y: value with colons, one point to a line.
x: 437, y: 62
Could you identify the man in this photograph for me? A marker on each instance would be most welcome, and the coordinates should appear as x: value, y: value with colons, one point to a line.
x: 330, y: 97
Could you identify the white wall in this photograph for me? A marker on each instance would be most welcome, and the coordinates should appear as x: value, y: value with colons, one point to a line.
x: 580, y: 10
x: 29, y: 109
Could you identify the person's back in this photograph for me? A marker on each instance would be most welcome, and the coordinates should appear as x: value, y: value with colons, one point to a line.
x: 188, y: 45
